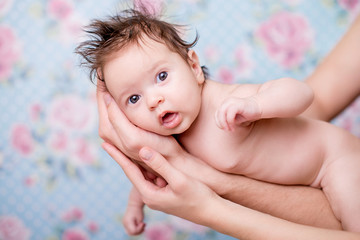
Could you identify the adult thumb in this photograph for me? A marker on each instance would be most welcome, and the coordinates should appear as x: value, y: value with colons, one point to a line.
x: 159, y: 164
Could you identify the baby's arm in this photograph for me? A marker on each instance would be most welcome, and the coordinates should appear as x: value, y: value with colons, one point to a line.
x: 284, y: 97
x: 300, y: 204
x: 133, y: 219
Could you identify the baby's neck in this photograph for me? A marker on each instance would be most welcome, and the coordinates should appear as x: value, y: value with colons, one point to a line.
x: 209, y: 95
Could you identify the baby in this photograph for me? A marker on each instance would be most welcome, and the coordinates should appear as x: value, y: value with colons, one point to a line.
x: 249, y: 129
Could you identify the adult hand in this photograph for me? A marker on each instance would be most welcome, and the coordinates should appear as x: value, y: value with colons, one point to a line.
x: 270, y: 198
x: 116, y: 129
x: 183, y: 196
x: 190, y: 199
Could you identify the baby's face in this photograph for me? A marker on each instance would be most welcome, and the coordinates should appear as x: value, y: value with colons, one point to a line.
x: 155, y: 88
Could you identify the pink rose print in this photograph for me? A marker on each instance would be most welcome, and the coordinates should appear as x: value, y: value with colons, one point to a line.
x: 352, y: 6
x: 75, y: 234
x: 211, y: 53
x: 348, y: 119
x: 21, y: 139
x: 5, y: 6
x: 12, y: 228
x: 349, y: 5
x: 73, y: 214
x: 60, y: 9
x: 70, y: 112
x: 31, y: 181
x: 83, y: 153
x: 93, y: 227
x: 71, y: 29
x: 287, y: 36
x: 35, y: 111
x: 9, y: 51
x: 225, y: 75
x: 244, y: 63
x: 59, y: 141
x: 159, y: 232
x: 153, y: 7
x: 69, y: 23
x: 77, y: 150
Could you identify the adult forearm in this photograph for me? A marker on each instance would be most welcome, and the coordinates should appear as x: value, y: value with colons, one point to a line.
x: 247, y: 224
x: 338, y: 75
x: 188, y: 198
x: 299, y: 204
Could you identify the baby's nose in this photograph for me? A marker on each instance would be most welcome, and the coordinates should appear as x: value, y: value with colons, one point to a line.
x: 154, y: 101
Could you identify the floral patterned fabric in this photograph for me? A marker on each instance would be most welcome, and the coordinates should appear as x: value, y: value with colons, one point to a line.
x: 55, y: 180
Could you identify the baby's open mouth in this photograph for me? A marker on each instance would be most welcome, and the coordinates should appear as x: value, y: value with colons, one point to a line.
x: 168, y: 117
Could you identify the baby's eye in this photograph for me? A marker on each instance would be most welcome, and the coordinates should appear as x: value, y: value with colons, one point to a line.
x: 161, y: 76
x: 133, y: 99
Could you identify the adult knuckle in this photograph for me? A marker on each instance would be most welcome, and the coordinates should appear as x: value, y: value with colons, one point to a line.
x: 111, y: 116
x: 181, y: 184
x: 103, y: 132
x: 149, y: 201
x: 131, y: 142
x: 157, y: 166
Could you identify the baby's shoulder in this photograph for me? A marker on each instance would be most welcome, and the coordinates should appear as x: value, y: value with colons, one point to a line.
x: 216, y: 90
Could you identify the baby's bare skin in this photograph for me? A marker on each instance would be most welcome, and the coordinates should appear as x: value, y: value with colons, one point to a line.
x: 159, y: 89
x: 248, y: 129
x: 281, y: 150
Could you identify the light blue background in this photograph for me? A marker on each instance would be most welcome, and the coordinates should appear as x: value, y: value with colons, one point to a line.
x: 40, y: 187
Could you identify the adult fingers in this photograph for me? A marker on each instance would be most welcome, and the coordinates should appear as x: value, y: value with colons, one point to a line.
x: 106, y: 130
x: 132, y: 138
x: 160, y: 165
x: 113, y: 124
x: 116, y: 116
x: 125, y: 135
x: 159, y: 181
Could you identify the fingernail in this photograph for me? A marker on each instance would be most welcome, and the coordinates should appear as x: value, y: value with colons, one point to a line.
x: 107, y: 99
x: 145, y: 154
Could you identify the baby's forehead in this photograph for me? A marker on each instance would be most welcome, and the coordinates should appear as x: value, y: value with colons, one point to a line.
x: 147, y: 42
x: 140, y: 55
x: 148, y: 48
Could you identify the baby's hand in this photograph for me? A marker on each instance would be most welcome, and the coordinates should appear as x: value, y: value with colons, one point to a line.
x: 237, y: 112
x: 133, y: 220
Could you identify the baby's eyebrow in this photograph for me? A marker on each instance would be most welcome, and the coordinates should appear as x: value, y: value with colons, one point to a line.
x: 155, y: 65
x: 126, y: 91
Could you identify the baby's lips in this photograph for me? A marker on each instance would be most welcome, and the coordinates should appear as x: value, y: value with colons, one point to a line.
x: 170, y: 119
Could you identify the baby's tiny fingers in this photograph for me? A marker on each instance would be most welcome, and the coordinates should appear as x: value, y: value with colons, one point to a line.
x: 217, y: 120
x: 224, y: 118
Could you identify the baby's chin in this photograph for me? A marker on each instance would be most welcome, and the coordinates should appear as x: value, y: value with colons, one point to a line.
x: 163, y: 131
x: 170, y: 132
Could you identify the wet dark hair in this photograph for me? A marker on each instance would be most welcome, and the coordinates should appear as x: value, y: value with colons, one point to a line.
x: 130, y: 26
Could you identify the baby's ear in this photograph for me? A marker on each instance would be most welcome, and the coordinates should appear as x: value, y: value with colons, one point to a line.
x: 194, y: 63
